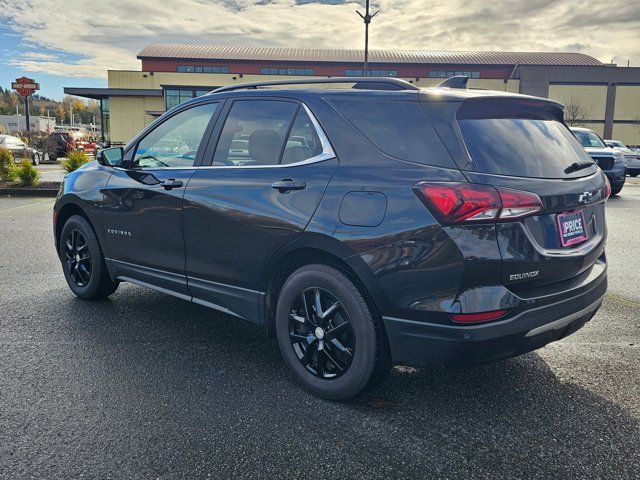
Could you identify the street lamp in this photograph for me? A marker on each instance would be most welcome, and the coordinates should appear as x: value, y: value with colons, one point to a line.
x: 367, y: 17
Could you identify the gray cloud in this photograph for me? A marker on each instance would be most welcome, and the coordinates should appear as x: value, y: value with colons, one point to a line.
x: 107, y: 35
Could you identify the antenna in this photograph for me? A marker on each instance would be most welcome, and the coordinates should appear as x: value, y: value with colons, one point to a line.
x: 367, y: 17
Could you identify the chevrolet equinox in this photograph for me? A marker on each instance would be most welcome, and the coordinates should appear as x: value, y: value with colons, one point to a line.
x: 361, y: 226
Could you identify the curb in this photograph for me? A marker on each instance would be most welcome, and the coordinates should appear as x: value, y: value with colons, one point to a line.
x: 29, y: 192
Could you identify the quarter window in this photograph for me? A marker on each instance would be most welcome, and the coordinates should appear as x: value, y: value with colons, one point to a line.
x: 175, y: 142
x: 254, y: 133
x: 303, y: 142
x: 398, y: 128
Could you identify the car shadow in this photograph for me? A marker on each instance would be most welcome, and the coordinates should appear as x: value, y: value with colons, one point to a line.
x: 163, y: 358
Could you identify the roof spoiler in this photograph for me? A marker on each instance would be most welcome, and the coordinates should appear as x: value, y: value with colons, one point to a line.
x: 458, y: 81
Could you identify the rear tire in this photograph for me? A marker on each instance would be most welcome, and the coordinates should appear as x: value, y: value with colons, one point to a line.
x: 633, y: 174
x: 36, y: 158
x: 616, y: 191
x: 340, y: 352
x: 82, y: 261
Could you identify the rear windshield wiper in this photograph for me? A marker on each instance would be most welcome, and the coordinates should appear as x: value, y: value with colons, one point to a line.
x: 575, y: 166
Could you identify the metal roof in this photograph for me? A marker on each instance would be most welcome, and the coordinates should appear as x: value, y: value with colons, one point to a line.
x: 213, y: 52
x: 98, y: 93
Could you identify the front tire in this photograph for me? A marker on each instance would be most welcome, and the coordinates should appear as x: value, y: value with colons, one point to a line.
x: 329, y: 338
x: 616, y: 191
x: 82, y: 261
x: 36, y: 158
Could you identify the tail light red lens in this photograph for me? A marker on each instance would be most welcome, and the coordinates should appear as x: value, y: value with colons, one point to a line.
x: 607, y: 188
x: 477, y: 317
x: 470, y: 202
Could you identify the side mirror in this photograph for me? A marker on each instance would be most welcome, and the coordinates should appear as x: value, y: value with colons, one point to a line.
x: 110, y: 157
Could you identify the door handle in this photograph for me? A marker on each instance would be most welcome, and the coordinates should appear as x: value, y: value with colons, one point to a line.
x: 288, y: 184
x: 170, y: 183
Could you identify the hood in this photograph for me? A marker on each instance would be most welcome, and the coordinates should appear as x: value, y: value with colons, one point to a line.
x: 606, y: 151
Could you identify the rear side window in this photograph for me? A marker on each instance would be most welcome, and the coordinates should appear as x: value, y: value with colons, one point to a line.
x: 254, y: 133
x: 396, y: 127
x: 523, y: 147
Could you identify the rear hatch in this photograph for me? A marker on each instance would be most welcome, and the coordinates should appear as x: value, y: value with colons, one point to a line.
x: 523, y: 144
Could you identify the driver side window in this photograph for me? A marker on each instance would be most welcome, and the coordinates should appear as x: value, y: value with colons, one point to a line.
x: 175, y: 142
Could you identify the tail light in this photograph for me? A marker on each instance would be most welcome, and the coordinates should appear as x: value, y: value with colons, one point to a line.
x: 607, y: 187
x: 470, y: 202
x: 477, y: 317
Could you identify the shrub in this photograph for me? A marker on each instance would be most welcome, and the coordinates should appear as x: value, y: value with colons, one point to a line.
x: 27, y: 174
x: 7, y: 166
x: 74, y: 161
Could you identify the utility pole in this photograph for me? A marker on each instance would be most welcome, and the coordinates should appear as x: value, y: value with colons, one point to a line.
x: 26, y: 113
x: 367, y: 17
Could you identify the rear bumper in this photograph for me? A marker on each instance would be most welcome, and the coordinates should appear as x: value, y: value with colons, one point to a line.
x: 544, y: 321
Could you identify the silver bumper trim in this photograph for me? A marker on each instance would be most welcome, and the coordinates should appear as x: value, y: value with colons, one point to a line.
x: 563, y: 322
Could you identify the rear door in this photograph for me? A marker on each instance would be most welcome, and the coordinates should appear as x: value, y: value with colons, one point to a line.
x: 268, y: 167
x: 524, y: 145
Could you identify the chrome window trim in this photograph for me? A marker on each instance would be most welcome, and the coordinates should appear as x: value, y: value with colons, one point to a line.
x: 327, y: 154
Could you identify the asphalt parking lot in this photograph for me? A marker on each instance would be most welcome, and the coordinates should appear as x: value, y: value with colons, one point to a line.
x: 144, y: 385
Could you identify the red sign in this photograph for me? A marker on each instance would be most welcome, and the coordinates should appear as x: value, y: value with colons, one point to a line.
x: 25, y: 86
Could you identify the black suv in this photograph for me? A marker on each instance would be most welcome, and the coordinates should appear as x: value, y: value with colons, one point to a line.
x: 362, y: 226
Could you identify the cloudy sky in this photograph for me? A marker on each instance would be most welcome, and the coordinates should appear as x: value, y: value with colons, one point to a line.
x: 74, y: 42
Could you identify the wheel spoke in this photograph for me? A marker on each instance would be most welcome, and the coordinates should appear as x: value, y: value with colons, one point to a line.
x: 321, y: 362
x: 318, y: 304
x: 335, y: 331
x: 307, y: 310
x: 340, y: 346
x: 332, y: 360
x: 329, y: 312
x: 306, y: 358
x: 297, y: 318
x: 298, y: 337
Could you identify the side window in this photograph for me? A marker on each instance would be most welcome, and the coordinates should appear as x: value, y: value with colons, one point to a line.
x: 303, y: 142
x: 254, y: 133
x: 398, y: 128
x: 175, y: 142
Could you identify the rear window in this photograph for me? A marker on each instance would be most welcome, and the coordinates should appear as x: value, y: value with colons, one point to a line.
x: 398, y: 128
x: 523, y: 147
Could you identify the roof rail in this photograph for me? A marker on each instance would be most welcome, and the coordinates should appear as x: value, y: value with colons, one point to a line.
x: 457, y: 81
x: 364, y: 83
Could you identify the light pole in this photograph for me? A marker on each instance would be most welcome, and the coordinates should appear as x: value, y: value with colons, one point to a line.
x: 367, y: 17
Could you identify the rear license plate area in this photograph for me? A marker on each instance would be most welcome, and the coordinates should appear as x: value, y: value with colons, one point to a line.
x: 572, y: 228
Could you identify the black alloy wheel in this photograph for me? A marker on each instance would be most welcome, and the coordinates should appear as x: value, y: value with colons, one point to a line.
x: 332, y: 341
x: 78, y: 258
x: 321, y: 333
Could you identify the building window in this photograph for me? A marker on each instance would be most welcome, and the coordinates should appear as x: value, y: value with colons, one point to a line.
x: 286, y: 71
x: 175, y: 96
x: 201, y: 69
x: 447, y: 74
x: 371, y: 73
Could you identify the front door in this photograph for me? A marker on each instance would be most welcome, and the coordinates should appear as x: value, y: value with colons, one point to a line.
x: 142, y: 214
x: 270, y: 168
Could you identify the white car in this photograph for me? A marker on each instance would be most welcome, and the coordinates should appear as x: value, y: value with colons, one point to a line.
x: 19, y: 149
x: 632, y: 157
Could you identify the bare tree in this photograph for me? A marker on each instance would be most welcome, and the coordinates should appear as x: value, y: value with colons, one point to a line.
x: 575, y: 113
x: 636, y: 120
